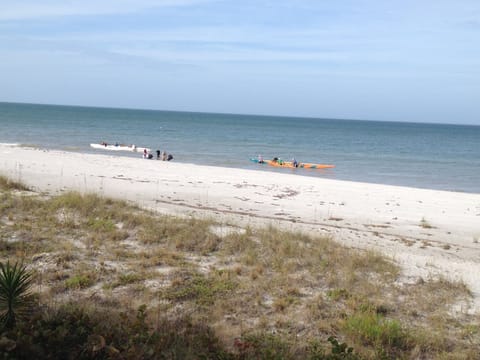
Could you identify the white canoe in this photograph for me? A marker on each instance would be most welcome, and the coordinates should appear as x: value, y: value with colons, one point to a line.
x: 132, y: 148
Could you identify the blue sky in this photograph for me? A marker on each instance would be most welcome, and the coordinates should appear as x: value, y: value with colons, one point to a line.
x: 380, y: 60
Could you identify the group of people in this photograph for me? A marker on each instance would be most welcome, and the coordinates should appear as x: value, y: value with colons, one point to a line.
x: 104, y: 143
x: 161, y: 155
x: 277, y: 160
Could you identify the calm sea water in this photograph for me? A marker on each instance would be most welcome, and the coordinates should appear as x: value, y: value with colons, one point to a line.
x: 434, y: 156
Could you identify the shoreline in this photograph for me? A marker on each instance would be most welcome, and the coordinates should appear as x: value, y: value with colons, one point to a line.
x: 428, y: 232
x: 338, y: 173
x: 265, y: 168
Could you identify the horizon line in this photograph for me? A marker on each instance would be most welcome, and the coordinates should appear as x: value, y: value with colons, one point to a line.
x: 234, y: 114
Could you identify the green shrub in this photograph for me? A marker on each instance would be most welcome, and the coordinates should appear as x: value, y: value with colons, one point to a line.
x: 15, y: 297
x: 104, y: 225
x: 79, y: 281
x: 129, y: 278
x: 89, y: 332
x: 196, y: 287
x: 263, y: 346
x: 373, y: 329
x: 339, y: 351
x: 337, y: 294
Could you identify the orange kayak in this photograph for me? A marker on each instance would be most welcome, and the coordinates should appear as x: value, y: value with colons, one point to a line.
x: 289, y: 164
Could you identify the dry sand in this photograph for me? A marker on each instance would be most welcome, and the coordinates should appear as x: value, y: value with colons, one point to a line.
x: 381, y: 217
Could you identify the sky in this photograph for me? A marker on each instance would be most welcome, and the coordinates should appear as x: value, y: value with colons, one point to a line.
x: 392, y: 60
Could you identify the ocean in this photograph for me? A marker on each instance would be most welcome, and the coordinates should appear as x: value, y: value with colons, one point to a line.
x: 422, y: 155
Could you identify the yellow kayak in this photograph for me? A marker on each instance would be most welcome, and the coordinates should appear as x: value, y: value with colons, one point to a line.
x: 289, y: 164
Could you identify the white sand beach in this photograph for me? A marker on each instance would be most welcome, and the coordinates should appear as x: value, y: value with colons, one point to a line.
x: 372, y: 216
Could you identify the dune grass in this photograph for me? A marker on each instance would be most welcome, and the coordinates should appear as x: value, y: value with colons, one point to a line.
x: 140, y: 283
x: 9, y: 184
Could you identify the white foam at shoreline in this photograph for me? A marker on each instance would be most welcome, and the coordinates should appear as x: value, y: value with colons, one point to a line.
x: 9, y: 144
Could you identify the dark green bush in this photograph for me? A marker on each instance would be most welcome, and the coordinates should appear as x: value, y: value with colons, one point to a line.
x: 74, y: 332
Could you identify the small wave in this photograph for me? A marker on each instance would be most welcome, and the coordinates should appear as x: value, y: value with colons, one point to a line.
x: 9, y: 144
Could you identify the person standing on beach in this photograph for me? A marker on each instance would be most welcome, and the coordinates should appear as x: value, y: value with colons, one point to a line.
x: 294, y: 162
x: 164, y: 155
x: 158, y: 154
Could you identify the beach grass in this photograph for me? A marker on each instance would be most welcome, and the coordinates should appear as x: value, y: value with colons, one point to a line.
x: 8, y: 184
x: 129, y: 281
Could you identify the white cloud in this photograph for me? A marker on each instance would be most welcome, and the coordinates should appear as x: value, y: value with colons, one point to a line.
x: 231, y: 54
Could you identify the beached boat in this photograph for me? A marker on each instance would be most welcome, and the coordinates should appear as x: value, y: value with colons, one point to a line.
x: 289, y: 164
x: 119, y: 147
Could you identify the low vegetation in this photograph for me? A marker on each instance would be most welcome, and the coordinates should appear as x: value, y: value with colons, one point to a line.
x: 15, y: 298
x: 425, y: 224
x: 113, y: 281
